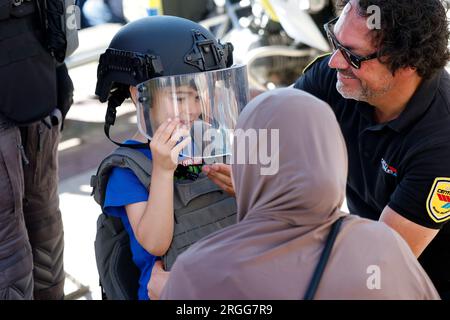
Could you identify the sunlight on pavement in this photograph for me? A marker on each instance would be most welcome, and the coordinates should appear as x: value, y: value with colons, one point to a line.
x: 79, y: 212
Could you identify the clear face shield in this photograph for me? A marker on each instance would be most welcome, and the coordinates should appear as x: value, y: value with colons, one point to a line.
x: 206, y: 103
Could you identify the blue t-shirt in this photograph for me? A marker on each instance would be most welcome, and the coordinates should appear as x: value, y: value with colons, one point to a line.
x: 125, y: 188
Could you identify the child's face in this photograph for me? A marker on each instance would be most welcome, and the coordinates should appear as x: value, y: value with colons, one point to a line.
x: 184, y: 104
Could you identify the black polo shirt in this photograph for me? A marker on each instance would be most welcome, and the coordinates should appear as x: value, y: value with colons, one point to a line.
x: 397, y: 163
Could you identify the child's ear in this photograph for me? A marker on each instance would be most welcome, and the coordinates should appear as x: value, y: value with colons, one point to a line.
x: 133, y: 94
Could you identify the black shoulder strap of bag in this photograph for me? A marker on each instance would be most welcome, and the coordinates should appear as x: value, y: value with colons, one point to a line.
x: 310, y: 293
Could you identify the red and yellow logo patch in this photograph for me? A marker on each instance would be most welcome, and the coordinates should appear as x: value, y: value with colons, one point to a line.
x: 438, y: 201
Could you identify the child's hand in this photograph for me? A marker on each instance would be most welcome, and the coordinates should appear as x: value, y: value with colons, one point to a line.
x: 164, y: 147
x: 157, y: 281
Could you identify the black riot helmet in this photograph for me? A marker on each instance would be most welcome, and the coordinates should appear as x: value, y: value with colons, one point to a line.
x: 152, y: 47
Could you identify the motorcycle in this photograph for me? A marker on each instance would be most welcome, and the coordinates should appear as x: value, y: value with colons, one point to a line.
x: 275, y: 38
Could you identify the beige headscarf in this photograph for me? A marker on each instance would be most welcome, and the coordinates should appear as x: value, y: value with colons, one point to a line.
x: 284, y: 219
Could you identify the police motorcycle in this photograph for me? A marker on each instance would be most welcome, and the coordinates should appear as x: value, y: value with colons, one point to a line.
x: 275, y: 38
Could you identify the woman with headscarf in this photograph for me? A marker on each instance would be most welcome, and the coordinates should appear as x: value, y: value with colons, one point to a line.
x: 284, y: 221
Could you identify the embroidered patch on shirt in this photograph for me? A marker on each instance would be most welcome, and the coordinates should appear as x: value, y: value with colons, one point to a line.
x: 387, y: 168
x: 438, y: 201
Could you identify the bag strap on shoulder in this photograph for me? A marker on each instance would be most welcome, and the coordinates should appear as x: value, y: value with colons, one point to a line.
x: 310, y: 293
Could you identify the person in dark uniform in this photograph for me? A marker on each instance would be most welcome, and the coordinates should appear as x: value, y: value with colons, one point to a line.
x: 391, y: 95
x: 35, y: 95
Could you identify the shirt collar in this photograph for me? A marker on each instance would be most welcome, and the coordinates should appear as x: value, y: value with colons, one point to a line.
x: 418, y: 104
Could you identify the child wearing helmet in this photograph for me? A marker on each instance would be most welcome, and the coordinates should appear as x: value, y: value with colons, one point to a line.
x: 188, y: 96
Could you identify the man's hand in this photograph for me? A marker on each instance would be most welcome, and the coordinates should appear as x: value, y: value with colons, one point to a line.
x: 220, y: 174
x: 157, y: 281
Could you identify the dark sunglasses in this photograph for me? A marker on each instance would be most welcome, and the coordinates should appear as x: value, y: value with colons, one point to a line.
x: 353, y: 59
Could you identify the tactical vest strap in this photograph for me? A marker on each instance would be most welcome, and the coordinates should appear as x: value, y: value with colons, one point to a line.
x: 186, y: 192
x: 122, y: 157
x: 138, y: 163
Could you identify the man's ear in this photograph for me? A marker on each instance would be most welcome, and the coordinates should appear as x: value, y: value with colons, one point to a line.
x: 405, y: 72
x: 411, y: 70
x: 408, y: 71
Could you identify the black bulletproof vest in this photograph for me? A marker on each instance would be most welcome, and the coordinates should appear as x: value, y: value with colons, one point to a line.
x: 27, y: 70
x: 200, y: 208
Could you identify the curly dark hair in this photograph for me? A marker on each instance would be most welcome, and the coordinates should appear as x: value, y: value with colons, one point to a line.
x: 414, y: 33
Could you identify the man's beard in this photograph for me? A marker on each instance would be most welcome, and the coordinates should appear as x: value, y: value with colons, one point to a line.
x: 363, y: 92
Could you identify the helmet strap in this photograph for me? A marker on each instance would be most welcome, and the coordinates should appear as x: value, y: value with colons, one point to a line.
x: 115, y: 100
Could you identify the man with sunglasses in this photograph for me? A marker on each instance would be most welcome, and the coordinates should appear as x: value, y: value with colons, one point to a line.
x: 391, y: 95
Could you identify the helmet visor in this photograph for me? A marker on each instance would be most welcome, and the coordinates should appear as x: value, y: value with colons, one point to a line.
x: 207, y: 105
